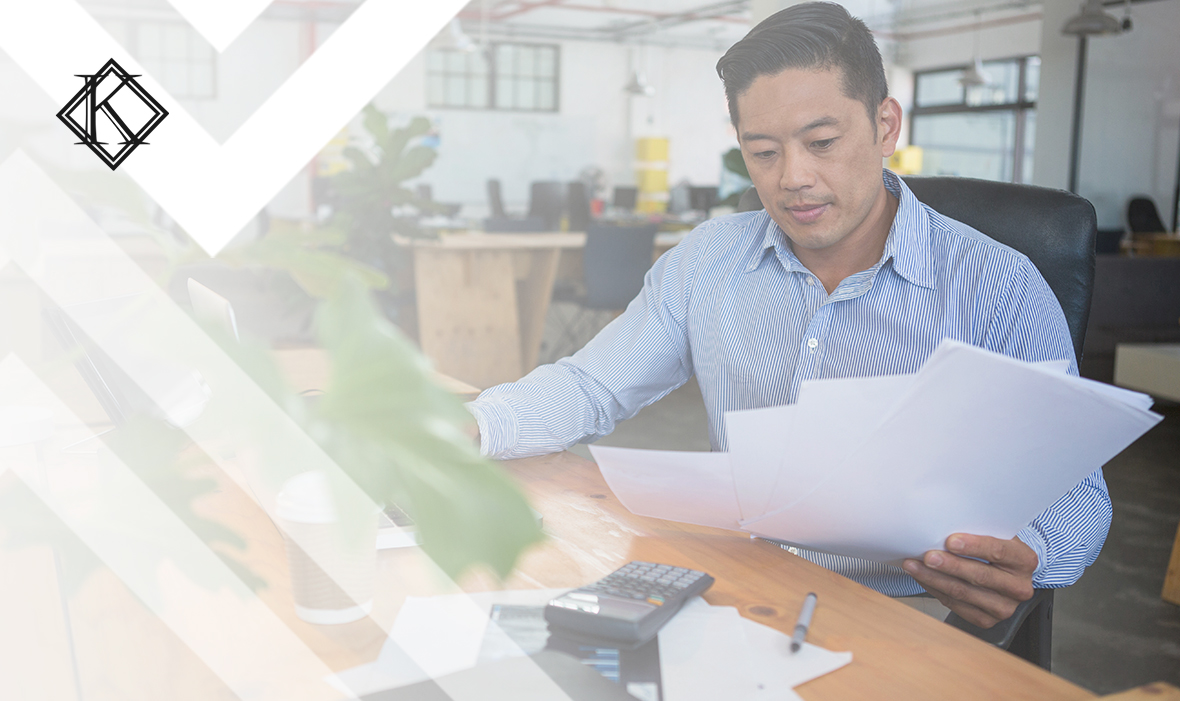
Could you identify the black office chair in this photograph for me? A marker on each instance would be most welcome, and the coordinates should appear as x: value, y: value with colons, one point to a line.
x: 547, y: 202
x: 1056, y: 230
x: 501, y: 222
x: 614, y: 262
x: 1143, y: 217
x: 578, y: 206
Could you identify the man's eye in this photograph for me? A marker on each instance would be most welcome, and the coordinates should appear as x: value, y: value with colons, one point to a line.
x: 764, y: 154
x: 822, y: 144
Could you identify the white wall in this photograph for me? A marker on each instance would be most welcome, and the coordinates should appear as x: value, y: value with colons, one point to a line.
x: 1131, y: 117
x: 595, y: 125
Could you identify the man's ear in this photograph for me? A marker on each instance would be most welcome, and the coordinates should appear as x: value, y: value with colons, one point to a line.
x: 889, y: 125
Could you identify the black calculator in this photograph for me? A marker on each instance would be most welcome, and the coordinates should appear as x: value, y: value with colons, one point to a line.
x: 628, y: 605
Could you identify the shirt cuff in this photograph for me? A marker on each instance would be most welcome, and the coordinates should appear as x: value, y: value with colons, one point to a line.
x: 1033, y: 539
x: 497, y: 426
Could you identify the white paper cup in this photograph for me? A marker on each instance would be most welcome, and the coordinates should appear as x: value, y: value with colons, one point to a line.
x: 315, y: 536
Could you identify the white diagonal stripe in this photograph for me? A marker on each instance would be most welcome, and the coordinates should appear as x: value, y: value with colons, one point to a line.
x: 72, y: 260
x: 213, y: 190
x: 220, y: 21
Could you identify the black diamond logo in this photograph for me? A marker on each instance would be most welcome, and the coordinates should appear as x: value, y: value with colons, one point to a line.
x: 112, y: 114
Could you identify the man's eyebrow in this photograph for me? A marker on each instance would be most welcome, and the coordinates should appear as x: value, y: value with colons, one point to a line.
x: 821, y: 122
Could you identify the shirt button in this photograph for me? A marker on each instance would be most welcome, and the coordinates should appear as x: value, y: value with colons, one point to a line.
x: 793, y: 550
x: 810, y: 281
x: 812, y: 343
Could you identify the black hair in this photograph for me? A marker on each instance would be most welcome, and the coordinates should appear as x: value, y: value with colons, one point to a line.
x: 813, y: 35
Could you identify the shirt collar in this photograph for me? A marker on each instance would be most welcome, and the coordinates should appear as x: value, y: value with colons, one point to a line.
x: 908, y: 242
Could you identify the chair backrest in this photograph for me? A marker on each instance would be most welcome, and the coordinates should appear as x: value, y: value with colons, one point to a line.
x: 578, y: 204
x: 547, y: 201
x: 615, y: 260
x: 495, y: 199
x: 1143, y: 217
x: 1054, y: 228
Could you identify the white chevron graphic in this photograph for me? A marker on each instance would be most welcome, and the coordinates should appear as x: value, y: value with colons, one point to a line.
x: 71, y: 260
x: 211, y: 189
x: 220, y: 21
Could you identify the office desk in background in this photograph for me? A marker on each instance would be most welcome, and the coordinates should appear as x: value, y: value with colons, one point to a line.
x: 482, y: 299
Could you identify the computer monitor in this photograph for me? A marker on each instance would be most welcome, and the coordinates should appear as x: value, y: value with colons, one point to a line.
x: 626, y: 197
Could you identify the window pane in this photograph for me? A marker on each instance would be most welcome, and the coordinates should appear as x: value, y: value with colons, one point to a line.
x: 941, y: 88
x: 477, y: 91
x: 456, y: 91
x: 505, y: 59
x: 435, y: 91
x: 526, y: 62
x: 1032, y: 78
x: 435, y: 61
x: 545, y: 96
x: 547, y: 62
x: 526, y: 94
x: 974, y: 145
x: 1030, y: 141
x: 1004, y: 82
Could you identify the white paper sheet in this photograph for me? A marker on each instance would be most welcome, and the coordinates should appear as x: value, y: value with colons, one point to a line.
x: 691, y: 487
x: 980, y: 443
x: 706, y: 652
x: 434, y: 636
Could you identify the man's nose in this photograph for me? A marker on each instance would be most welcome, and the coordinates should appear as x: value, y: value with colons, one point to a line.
x: 797, y: 172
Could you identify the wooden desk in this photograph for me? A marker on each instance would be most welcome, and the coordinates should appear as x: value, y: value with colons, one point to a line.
x: 482, y: 299
x: 897, y: 652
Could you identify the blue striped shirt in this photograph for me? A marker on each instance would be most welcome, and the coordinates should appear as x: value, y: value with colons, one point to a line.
x: 734, y: 306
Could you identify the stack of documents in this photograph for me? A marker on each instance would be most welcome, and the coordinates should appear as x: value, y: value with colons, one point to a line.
x: 885, y: 468
x: 705, y: 652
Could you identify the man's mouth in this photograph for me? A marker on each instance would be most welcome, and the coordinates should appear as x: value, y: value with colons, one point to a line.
x: 807, y: 213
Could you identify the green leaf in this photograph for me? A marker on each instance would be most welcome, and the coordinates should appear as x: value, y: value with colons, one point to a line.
x: 410, y: 165
x: 734, y: 163
x: 376, y: 123
x: 402, y: 438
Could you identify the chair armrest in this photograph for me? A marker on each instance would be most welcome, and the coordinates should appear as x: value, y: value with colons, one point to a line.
x: 1003, y: 633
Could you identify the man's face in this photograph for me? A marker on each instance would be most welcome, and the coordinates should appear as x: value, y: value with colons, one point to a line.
x: 815, y: 157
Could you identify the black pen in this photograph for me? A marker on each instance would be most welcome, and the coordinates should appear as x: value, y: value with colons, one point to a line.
x: 803, y: 623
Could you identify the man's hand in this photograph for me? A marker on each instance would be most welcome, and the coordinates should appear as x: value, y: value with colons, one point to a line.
x: 983, y: 593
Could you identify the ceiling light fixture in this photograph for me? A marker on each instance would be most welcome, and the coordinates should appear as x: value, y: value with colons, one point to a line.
x: 975, y: 75
x: 639, y: 86
x: 1091, y: 20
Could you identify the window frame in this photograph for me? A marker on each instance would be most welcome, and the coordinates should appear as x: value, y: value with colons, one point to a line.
x: 1020, y: 108
x: 493, y: 74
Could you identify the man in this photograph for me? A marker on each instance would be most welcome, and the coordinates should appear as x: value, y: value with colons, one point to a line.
x: 844, y: 274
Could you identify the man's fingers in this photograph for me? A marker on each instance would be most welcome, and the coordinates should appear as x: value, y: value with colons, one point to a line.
x: 1012, y: 554
x: 961, y: 592
x: 980, y: 574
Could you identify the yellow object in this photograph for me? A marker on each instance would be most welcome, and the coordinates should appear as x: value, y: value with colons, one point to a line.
x: 906, y: 161
x: 651, y: 180
x: 651, y: 149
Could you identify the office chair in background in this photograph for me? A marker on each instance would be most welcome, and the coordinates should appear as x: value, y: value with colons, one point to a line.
x: 500, y: 221
x: 1056, y: 230
x: 547, y: 202
x: 614, y: 262
x: 578, y: 206
x: 1143, y: 217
